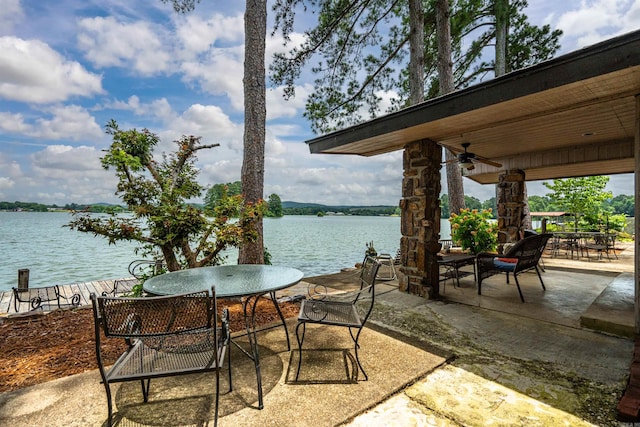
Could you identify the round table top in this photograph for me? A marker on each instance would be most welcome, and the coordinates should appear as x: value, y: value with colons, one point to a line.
x: 229, y: 280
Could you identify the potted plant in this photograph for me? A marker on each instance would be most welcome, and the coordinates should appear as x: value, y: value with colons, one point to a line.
x: 472, y: 230
x: 371, y: 251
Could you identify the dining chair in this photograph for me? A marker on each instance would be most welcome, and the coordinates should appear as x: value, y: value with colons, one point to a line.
x: 165, y: 336
x: 346, y: 310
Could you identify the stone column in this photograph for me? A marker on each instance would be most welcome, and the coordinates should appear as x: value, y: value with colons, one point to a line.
x: 510, y: 200
x: 420, y: 222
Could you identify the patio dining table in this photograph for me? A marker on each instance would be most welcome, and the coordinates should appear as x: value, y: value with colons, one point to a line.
x: 579, y: 242
x: 248, y: 281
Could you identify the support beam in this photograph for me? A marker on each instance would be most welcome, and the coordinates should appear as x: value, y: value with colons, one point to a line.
x: 636, y: 242
x: 420, y: 221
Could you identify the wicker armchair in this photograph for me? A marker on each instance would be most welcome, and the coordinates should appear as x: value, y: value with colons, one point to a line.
x: 522, y: 256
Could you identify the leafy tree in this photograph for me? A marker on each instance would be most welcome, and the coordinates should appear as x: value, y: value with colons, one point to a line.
x: 472, y: 202
x: 156, y: 193
x: 362, y: 50
x: 444, y: 206
x: 622, y: 204
x: 579, y: 196
x: 274, y: 206
x: 215, y: 193
x: 540, y: 204
x: 492, y: 205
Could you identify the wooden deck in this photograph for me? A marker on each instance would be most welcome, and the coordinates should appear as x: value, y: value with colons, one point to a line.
x: 83, y: 289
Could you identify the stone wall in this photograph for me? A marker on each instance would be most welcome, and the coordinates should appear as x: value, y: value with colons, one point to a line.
x: 510, y: 200
x: 420, y: 222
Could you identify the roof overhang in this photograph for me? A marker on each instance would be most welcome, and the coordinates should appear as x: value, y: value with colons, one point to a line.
x: 573, y: 115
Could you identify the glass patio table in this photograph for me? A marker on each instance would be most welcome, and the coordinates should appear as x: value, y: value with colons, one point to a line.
x: 247, y: 281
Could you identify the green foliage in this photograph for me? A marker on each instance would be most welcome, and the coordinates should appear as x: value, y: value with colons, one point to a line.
x: 23, y: 206
x: 582, y: 197
x: 215, y: 193
x: 274, y: 206
x: 156, y: 192
x: 315, y: 209
x: 540, y: 204
x: 471, y: 202
x: 267, y: 256
x: 361, y: 48
x: 444, y: 206
x: 473, y: 231
x: 490, y: 205
x: 621, y: 204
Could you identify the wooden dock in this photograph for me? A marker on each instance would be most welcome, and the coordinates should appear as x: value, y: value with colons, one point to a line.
x: 83, y: 289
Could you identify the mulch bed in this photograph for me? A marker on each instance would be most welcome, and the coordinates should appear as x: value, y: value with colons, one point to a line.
x: 40, y: 348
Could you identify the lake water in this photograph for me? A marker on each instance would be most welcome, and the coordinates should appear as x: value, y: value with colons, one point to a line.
x: 56, y: 255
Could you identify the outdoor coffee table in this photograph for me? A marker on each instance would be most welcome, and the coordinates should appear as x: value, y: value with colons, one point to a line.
x: 247, y: 281
x: 453, y: 263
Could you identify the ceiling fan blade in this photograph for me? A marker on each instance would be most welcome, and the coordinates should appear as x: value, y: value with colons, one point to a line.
x: 488, y: 162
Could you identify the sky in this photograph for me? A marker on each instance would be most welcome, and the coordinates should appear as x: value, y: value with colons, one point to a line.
x: 68, y: 67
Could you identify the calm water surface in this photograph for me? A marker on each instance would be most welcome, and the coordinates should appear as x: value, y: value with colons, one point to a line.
x: 56, y: 255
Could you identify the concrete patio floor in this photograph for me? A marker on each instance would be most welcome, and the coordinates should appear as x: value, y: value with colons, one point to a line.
x: 596, y: 294
x: 464, y: 360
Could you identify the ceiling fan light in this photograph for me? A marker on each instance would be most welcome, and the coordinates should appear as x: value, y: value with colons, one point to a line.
x: 466, y: 164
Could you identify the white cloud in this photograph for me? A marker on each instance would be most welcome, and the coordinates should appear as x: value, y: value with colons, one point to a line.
x: 32, y: 72
x: 70, y: 122
x: 11, y: 13
x: 198, y: 35
x: 13, y: 123
x: 595, y: 20
x: 138, y: 45
x: 219, y: 72
x: 208, y: 122
x: 6, y: 183
x: 71, y: 174
x: 59, y: 160
x: 278, y: 107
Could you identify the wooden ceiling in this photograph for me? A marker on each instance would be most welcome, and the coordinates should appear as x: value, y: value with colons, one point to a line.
x: 574, y: 115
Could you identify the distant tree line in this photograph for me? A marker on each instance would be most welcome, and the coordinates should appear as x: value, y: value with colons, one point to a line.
x: 618, y: 205
x: 621, y: 204
x: 39, y: 207
x: 24, y: 206
x: 218, y: 191
x: 322, y: 210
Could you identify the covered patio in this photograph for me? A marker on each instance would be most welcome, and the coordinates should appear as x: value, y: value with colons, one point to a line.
x: 575, y: 115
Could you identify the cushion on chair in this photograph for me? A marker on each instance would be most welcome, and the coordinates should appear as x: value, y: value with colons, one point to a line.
x: 505, y: 264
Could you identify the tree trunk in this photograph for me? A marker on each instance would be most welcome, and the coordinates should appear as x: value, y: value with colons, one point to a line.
x: 455, y: 185
x: 501, y: 10
x: 416, y: 46
x: 502, y: 32
x: 255, y: 112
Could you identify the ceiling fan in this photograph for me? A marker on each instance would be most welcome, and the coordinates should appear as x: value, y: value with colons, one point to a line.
x: 466, y: 159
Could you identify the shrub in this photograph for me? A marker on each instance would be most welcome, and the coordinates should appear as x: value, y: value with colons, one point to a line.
x: 473, y: 230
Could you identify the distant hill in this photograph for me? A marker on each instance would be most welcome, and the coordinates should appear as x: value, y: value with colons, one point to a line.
x: 289, y: 204
x: 297, y: 208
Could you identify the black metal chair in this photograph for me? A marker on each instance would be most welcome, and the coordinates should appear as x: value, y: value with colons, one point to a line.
x: 39, y: 297
x: 139, y: 270
x: 523, y: 256
x: 348, y: 310
x: 166, y: 336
